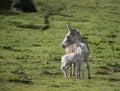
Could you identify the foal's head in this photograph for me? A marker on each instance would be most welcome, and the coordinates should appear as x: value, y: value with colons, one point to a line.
x: 71, y: 37
x: 71, y: 48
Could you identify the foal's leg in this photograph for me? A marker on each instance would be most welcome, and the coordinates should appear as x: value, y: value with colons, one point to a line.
x: 87, y: 64
x: 64, y: 70
x: 73, y: 69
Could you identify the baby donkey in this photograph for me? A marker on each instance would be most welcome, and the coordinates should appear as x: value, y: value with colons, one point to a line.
x: 74, y: 58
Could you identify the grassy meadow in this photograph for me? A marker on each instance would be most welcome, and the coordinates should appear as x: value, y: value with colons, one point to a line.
x: 30, y: 46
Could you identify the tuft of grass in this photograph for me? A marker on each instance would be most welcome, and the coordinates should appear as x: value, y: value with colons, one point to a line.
x: 20, y: 77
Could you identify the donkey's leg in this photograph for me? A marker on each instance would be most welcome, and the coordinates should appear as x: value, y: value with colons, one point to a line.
x: 87, y: 64
x: 70, y: 70
x: 77, y: 70
x: 82, y: 68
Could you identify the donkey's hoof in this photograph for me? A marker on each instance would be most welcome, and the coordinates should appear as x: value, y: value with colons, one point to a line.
x: 89, y: 77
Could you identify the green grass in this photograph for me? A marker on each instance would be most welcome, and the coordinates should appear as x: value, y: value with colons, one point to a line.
x: 30, y: 56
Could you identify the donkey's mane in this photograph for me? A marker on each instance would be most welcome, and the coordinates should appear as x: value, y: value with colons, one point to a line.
x: 81, y: 38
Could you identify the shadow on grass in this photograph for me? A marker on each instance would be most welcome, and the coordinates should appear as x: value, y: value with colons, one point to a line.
x: 111, y: 79
x: 8, y: 13
x: 102, y: 72
x: 110, y: 67
x: 29, y: 26
x: 47, y: 72
x: 21, y: 81
x: 114, y: 79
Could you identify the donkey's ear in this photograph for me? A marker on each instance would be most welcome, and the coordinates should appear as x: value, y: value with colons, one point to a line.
x: 69, y: 27
x: 72, y: 33
x: 78, y: 31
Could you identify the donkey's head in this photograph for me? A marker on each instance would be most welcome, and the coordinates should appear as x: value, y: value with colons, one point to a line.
x: 71, y: 37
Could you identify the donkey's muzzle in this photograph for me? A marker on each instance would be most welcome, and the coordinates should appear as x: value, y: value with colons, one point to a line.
x: 63, y: 46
